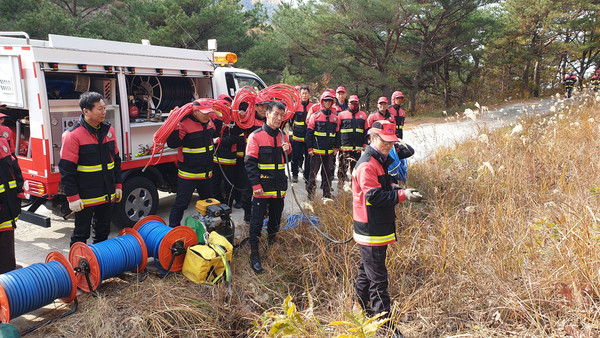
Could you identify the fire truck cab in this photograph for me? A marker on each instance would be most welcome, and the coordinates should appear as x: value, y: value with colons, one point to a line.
x: 41, y: 81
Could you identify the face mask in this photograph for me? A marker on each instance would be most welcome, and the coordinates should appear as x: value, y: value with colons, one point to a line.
x: 353, y: 106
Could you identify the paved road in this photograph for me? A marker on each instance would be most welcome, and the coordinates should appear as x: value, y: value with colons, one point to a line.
x: 33, y: 243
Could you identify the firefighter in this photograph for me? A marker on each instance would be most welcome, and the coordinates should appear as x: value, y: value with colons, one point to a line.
x: 90, y: 170
x: 260, y: 114
x: 11, y: 192
x: 194, y: 138
x: 323, y: 143
x: 397, y: 112
x: 382, y: 113
x: 5, y: 131
x: 340, y: 99
x: 374, y: 196
x: 352, y: 137
x: 300, y: 156
x: 570, y: 82
x: 265, y: 164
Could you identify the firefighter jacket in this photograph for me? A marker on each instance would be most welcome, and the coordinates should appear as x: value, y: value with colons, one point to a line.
x: 90, y: 166
x: 323, y: 132
x: 570, y: 81
x: 352, y: 130
x: 265, y: 162
x: 11, y: 184
x: 299, y: 122
x: 377, y: 116
x: 195, y: 142
x: 398, y: 114
x: 373, y: 199
x: 595, y: 80
x: 227, y: 147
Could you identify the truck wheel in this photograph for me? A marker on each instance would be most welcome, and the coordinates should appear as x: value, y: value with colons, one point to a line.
x: 140, y: 199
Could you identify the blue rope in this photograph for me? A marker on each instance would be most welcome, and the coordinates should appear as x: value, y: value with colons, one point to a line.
x: 35, y: 286
x: 117, y: 255
x: 153, y: 233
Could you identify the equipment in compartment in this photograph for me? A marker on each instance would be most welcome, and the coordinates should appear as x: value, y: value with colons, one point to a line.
x: 151, y: 96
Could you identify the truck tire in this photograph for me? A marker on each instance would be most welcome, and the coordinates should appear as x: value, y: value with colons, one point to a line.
x: 140, y: 199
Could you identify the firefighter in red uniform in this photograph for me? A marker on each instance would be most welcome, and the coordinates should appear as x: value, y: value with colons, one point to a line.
x: 374, y: 196
x: 90, y: 170
x: 265, y: 164
x: 595, y: 80
x: 194, y: 138
x: 382, y: 113
x: 300, y: 156
x: 352, y: 137
x: 323, y: 142
x: 397, y: 112
x: 11, y: 192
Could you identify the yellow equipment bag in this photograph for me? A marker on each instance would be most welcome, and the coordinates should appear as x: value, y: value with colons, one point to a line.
x: 207, y: 263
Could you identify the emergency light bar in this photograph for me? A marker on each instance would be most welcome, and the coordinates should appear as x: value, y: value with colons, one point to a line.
x: 225, y: 58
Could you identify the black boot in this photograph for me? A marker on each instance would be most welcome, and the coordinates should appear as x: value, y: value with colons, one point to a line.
x: 272, y: 239
x: 255, y: 258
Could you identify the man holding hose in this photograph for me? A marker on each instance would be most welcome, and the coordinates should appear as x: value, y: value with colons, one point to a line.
x: 375, y: 194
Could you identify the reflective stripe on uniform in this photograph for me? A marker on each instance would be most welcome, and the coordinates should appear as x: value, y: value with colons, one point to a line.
x: 322, y: 152
x: 224, y: 160
x: 197, y: 150
x: 296, y: 138
x: 94, y: 168
x: 324, y: 134
x: 347, y: 148
x: 273, y: 193
x: 11, y: 185
x: 297, y: 123
x: 374, y: 239
x: 95, y: 200
x: 280, y: 166
x: 8, y: 224
x: 185, y: 174
x: 352, y: 130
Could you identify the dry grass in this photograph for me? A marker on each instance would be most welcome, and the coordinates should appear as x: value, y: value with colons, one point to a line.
x: 504, y: 248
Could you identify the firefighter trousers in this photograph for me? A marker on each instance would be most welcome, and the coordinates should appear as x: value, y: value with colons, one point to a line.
x: 372, y: 280
x: 325, y: 164
x: 185, y: 189
x: 259, y: 209
x: 96, y: 216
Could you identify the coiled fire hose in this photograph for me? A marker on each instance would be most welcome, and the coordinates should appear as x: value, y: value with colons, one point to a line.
x: 24, y: 290
x: 97, y: 262
x: 165, y: 244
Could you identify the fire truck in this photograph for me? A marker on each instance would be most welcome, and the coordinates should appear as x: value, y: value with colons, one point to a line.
x: 41, y: 81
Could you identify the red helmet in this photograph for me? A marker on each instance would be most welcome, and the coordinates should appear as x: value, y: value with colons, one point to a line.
x: 397, y: 94
x: 327, y: 96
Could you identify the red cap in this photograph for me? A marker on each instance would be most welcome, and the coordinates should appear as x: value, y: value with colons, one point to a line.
x: 203, y: 106
x: 225, y: 97
x: 340, y: 89
x: 385, y: 129
x: 353, y: 98
x: 262, y: 99
x: 382, y: 99
x: 3, y: 115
